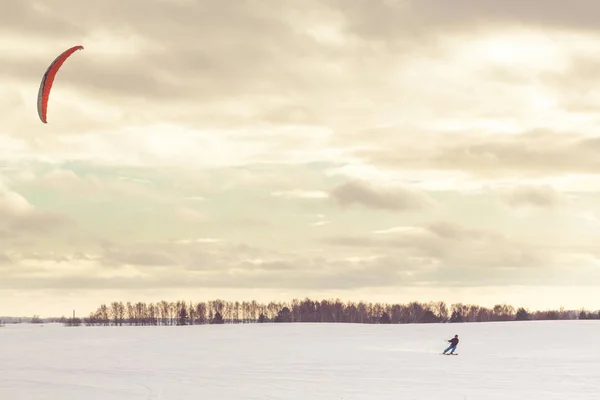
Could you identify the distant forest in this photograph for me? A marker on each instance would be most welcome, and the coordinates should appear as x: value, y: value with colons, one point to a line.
x: 307, y: 311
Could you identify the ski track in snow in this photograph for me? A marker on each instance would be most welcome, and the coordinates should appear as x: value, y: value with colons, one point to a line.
x: 543, y: 360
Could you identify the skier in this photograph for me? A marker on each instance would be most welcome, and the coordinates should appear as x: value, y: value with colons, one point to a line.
x: 453, y: 343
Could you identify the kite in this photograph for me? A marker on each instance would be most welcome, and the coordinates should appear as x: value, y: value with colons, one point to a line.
x: 48, y: 79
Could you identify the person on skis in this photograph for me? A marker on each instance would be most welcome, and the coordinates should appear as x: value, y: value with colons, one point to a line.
x: 453, y: 343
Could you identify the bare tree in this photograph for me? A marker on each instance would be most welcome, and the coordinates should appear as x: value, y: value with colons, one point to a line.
x: 310, y: 311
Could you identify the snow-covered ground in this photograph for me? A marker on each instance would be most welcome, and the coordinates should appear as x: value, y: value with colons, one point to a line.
x: 504, y: 361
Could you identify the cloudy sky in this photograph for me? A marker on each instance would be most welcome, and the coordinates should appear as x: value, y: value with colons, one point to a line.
x: 388, y: 150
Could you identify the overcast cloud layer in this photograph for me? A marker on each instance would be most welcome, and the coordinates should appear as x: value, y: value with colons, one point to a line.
x: 376, y: 150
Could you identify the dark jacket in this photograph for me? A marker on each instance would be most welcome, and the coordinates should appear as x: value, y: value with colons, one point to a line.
x: 453, y: 341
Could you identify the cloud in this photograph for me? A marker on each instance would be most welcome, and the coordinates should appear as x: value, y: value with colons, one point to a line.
x: 18, y: 217
x: 5, y: 260
x: 415, y: 18
x: 395, y: 199
x: 450, y: 254
x: 538, y: 153
x: 300, y: 194
x: 136, y: 67
x: 313, y: 146
x: 321, y: 222
x: 534, y: 153
x: 544, y: 197
x: 94, y: 187
x: 145, y: 259
x: 436, y: 255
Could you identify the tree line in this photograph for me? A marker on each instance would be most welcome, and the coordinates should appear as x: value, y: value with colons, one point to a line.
x: 309, y: 311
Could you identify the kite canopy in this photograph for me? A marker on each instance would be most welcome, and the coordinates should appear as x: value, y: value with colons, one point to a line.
x: 48, y: 79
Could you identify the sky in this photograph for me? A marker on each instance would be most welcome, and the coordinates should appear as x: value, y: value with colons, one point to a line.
x: 392, y: 150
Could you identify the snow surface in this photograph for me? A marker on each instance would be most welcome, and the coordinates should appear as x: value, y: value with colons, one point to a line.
x: 505, y: 361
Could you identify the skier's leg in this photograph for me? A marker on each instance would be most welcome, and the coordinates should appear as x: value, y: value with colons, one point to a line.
x: 449, y: 347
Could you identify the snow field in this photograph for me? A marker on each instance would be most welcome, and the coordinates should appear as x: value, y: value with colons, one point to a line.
x: 530, y: 360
